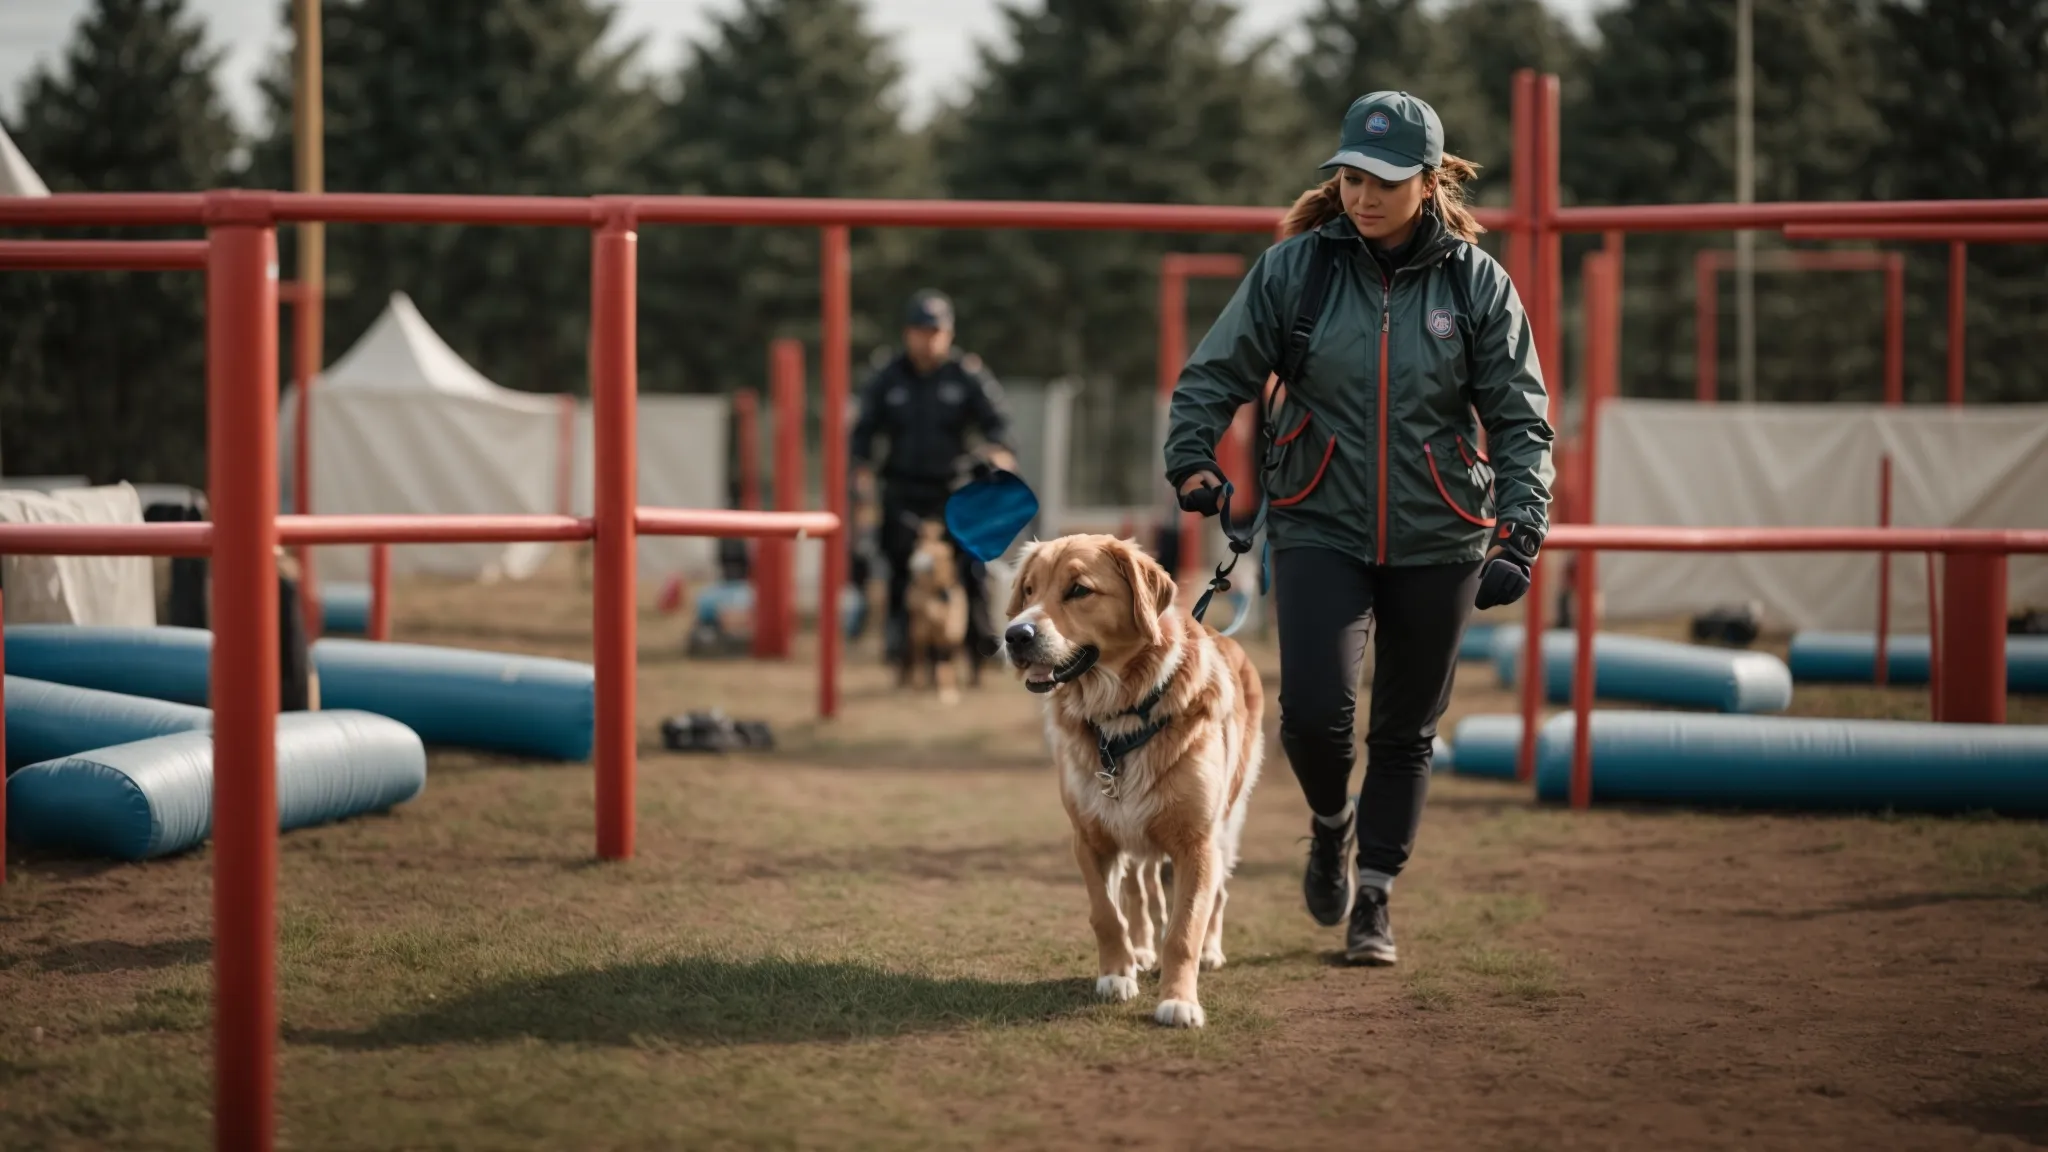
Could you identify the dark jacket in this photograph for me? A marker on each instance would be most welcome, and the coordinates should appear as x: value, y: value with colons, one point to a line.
x: 926, y: 418
x: 1382, y: 442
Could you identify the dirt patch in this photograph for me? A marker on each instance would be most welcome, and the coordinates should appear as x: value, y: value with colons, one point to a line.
x: 873, y: 938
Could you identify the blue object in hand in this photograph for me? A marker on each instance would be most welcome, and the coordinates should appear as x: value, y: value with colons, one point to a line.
x: 986, y: 513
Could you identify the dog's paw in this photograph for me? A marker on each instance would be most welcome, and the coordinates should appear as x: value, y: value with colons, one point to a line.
x: 1116, y: 988
x: 1179, y: 1014
x: 1212, y: 959
x: 1146, y: 958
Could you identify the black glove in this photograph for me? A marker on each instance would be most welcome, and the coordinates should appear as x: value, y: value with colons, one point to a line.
x: 1506, y: 577
x: 1207, y: 500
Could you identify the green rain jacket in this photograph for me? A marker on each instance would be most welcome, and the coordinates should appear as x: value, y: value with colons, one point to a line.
x: 1379, y: 433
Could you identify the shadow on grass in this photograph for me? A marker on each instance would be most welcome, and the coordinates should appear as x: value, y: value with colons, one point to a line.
x: 699, y: 1000
x: 93, y: 957
x: 1906, y: 902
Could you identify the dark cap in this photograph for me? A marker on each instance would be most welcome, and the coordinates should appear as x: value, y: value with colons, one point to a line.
x: 928, y: 309
x: 1390, y: 134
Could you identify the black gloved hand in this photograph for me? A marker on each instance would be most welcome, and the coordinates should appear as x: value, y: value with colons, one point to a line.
x: 1207, y: 500
x: 1505, y: 577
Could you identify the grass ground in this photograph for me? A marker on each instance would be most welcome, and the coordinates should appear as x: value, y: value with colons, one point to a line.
x: 873, y: 938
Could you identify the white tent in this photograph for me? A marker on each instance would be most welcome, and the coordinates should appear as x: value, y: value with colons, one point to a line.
x: 16, y: 177
x: 402, y: 424
x: 682, y: 452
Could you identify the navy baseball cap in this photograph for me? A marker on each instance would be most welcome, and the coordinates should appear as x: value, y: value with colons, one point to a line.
x: 1390, y: 134
x: 928, y: 309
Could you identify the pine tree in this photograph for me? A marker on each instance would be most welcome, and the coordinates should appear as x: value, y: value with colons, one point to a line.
x: 498, y: 97
x: 1132, y: 101
x: 1655, y: 123
x: 1966, y: 105
x: 784, y: 98
x: 104, y: 373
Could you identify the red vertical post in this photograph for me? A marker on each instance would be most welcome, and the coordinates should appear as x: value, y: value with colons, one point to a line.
x: 1706, y: 289
x: 614, y: 367
x: 379, y: 625
x: 1958, y: 289
x: 836, y: 357
x: 1522, y: 116
x: 565, y: 456
x: 1602, y: 311
x: 1173, y: 343
x: 1894, y: 329
x: 1973, y: 653
x: 746, y: 414
x: 241, y: 359
x: 1933, y: 641
x: 775, y: 566
x: 1532, y: 674
x: 1884, y: 572
x: 306, y: 326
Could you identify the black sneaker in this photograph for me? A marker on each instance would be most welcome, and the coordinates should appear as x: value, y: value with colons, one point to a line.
x: 1332, y: 876
x: 1370, y: 939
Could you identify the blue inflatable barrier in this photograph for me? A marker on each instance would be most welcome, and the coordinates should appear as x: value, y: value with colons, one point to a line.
x: 1477, y: 643
x: 1802, y: 763
x: 1652, y: 671
x: 46, y: 721
x: 1441, y: 756
x: 161, y: 663
x: 344, y: 609
x: 458, y: 697
x: 1487, y: 744
x: 1851, y: 658
x: 154, y: 797
x: 465, y: 698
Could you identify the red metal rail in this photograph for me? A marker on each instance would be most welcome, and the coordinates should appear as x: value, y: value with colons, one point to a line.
x: 1779, y: 216
x: 103, y: 255
x: 1708, y: 263
x: 2024, y: 233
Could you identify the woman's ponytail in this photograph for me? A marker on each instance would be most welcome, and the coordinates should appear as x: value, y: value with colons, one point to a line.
x: 1313, y: 208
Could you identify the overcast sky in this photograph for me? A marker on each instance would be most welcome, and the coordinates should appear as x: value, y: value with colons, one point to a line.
x: 934, y: 38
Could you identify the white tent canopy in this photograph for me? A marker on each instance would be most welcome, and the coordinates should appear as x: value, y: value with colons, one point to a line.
x: 402, y: 424
x: 16, y: 177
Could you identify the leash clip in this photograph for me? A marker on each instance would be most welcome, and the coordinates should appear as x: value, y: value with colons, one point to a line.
x: 1107, y: 777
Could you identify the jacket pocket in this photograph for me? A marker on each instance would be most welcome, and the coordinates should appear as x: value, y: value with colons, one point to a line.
x: 1300, y: 456
x: 1467, y: 462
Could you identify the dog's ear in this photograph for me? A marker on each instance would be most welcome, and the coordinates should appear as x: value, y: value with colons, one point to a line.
x: 1017, y: 579
x: 1152, y: 588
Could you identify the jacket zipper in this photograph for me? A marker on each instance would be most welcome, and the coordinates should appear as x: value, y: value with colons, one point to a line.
x: 1386, y: 326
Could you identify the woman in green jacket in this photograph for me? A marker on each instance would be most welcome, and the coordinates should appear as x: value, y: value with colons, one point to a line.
x: 1384, y: 510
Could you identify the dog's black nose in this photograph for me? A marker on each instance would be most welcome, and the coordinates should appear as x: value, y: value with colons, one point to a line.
x: 1019, y: 635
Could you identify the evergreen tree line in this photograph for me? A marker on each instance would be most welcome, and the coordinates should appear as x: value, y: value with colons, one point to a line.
x: 1119, y: 100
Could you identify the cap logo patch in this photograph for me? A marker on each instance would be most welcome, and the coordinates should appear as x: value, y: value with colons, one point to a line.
x: 1377, y: 124
x: 1440, y: 324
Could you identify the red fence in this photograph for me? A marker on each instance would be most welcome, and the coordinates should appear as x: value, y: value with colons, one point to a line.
x: 242, y: 350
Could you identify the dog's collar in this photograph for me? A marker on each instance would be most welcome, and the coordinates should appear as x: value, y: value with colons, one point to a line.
x: 1111, y: 750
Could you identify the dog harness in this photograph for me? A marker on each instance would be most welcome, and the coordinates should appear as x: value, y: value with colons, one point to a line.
x: 1111, y: 750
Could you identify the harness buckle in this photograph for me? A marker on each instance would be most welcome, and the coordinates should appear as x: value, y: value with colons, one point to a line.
x: 1107, y: 777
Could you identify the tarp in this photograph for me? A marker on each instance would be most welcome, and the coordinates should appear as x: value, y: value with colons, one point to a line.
x: 118, y: 590
x: 1775, y: 465
x: 402, y: 424
x: 682, y: 446
x: 16, y: 177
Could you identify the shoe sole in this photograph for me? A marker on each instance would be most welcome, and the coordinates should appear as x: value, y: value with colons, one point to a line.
x: 1372, y: 958
x: 1350, y: 893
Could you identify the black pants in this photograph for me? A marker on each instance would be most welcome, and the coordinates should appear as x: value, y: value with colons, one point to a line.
x: 1327, y: 604
x: 904, y: 506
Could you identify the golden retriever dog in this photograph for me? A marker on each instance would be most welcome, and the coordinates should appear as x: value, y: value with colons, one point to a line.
x: 936, y: 603
x: 1156, y: 729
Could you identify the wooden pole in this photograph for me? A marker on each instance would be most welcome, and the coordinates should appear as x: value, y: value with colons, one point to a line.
x: 308, y: 331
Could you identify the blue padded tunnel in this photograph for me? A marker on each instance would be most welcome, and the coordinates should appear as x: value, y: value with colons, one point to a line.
x: 154, y: 797
x: 1802, y: 763
x: 1486, y: 744
x: 456, y: 697
x: 1477, y: 642
x: 162, y: 663
x: 46, y: 721
x: 344, y: 609
x: 1851, y: 658
x: 464, y: 698
x: 1651, y: 671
